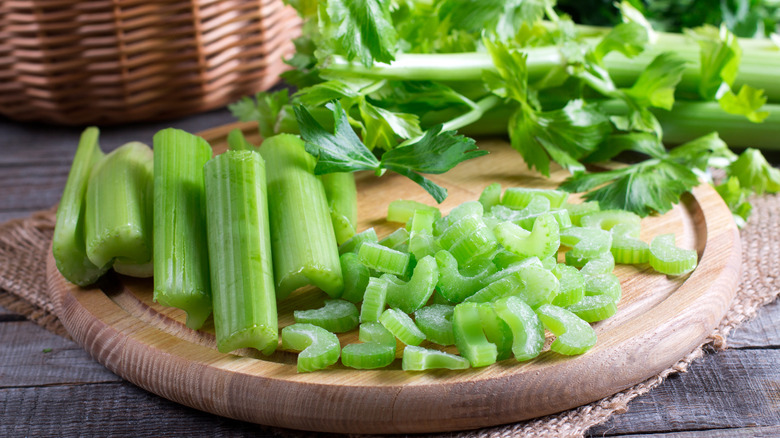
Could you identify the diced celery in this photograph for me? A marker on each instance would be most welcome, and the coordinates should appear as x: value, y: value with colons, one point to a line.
x: 470, y: 240
x: 539, y: 286
x: 603, y: 284
x: 496, y: 331
x: 527, y: 329
x: 453, y: 284
x: 397, y: 240
x: 377, y: 349
x: 627, y: 248
x: 353, y: 243
x: 355, y: 276
x: 435, y: 321
x: 469, y: 336
x: 341, y: 193
x: 519, y: 197
x: 374, y: 300
x: 572, y: 285
x: 667, y: 258
x: 421, y: 240
x: 336, y: 316
x: 181, y: 260
x: 468, y: 208
x: 586, y: 243
x: 304, y: 245
x: 383, y: 259
x: 490, y: 197
x: 401, y: 326
x: 578, y: 210
x: 420, y: 359
x: 604, y: 263
x: 574, y: 335
x: 542, y: 242
x: 412, y: 295
x: 593, y: 308
x: 318, y: 347
x: 607, y: 219
x: 402, y: 210
x: 68, y: 244
x: 239, y: 249
x: 550, y: 262
x: 508, y: 285
x: 504, y: 259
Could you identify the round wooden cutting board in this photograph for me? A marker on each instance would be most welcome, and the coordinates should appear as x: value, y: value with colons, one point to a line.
x: 660, y: 320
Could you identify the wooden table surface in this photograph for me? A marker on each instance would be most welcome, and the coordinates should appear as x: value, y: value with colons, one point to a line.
x: 50, y: 387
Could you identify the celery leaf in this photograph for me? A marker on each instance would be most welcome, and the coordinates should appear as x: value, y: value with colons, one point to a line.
x: 754, y: 172
x: 747, y: 102
x: 360, y: 29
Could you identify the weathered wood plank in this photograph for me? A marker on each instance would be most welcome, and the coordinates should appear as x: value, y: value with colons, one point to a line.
x: 32, y: 356
x: 730, y: 389
x: 762, y: 331
x: 747, y: 432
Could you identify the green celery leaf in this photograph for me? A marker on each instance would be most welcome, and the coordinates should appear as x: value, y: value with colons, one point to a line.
x: 736, y: 197
x: 720, y: 58
x: 647, y: 187
x: 630, y: 39
x: 754, y: 172
x: 419, y: 96
x: 436, y: 152
x: 511, y: 77
x: 642, y: 142
x: 438, y: 192
x: 340, y: 151
x: 382, y: 127
x: 655, y: 85
x: 747, y: 103
x: 706, y: 151
x: 502, y: 17
x: 360, y: 29
x: 324, y: 92
x: 271, y: 111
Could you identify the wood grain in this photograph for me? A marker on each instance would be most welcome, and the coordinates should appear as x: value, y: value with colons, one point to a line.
x: 659, y: 321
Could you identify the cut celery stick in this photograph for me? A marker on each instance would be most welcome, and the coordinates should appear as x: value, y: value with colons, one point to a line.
x: 667, y: 258
x: 402, y: 210
x: 607, y: 219
x: 469, y: 336
x: 239, y: 248
x: 420, y: 359
x: 68, y: 244
x: 435, y: 321
x: 341, y: 193
x: 542, y: 242
x: 504, y: 259
x: 397, y: 240
x: 505, y: 286
x: 603, y: 284
x: 318, y: 347
x: 237, y: 142
x: 377, y: 349
x: 383, y: 259
x: 304, y: 245
x: 578, y: 210
x: 355, y: 276
x: 421, y: 240
x: 527, y: 329
x: 412, y: 295
x: 496, y: 331
x: 538, y: 286
x: 594, y: 308
x: 561, y: 217
x: 603, y: 264
x: 627, y: 248
x: 353, y: 243
x: 468, y: 208
x: 401, y: 326
x: 181, y: 266
x: 374, y: 300
x: 572, y: 285
x: 453, y: 284
x: 336, y: 316
x: 574, y: 336
x: 490, y: 197
x: 550, y: 262
x: 471, y: 241
x: 118, y: 221
x: 586, y: 243
x: 519, y: 197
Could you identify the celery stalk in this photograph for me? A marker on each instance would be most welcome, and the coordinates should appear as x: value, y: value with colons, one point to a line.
x: 68, y: 244
x: 239, y: 245
x: 341, y: 192
x: 303, y: 243
x: 181, y: 271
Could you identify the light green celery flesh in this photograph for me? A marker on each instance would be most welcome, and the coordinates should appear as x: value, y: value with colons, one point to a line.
x: 239, y: 246
x: 469, y: 337
x: 355, y: 276
x: 669, y: 259
x: 420, y: 359
x: 118, y: 224
x: 413, y: 294
x: 318, y: 347
x: 68, y: 244
x: 384, y: 259
x: 336, y: 316
x: 138, y: 270
x: 574, y: 335
x: 341, y: 193
x: 527, y: 329
x: 401, y: 326
x: 181, y: 268
x: 436, y: 322
x: 303, y: 242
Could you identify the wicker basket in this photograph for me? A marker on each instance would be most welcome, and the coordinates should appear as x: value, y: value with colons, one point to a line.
x: 102, y: 61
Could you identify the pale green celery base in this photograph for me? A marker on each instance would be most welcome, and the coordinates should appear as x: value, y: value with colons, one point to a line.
x: 197, y: 304
x: 261, y: 338
x: 330, y: 282
x: 138, y: 270
x: 128, y: 242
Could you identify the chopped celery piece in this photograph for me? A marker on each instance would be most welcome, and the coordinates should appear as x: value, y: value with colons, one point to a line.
x: 355, y: 276
x: 573, y: 334
x: 454, y: 285
x: 118, y: 219
x: 539, y: 286
x: 318, y: 347
x: 341, y: 193
x: 578, y: 210
x: 402, y: 327
x: 603, y: 284
x: 527, y: 329
x: 181, y: 260
x: 469, y: 239
x: 435, y: 321
x: 504, y: 259
x: 438, y: 298
x: 470, y: 338
x: 421, y: 240
x: 377, y: 349
x: 594, y: 308
x: 607, y: 219
x: 561, y: 217
x: 667, y: 258
x: 336, y: 316
x: 496, y: 331
x: 586, y: 242
x: 519, y: 197
x: 397, y: 240
x: 513, y: 268
x: 383, y: 259
x: 412, y: 295
x: 603, y: 264
x: 542, y: 242
x: 237, y: 142
x: 68, y: 244
x: 572, y: 285
x: 239, y: 249
x: 402, y: 210
x: 304, y: 245
x: 353, y: 243
x: 420, y: 359
x: 627, y: 248
x: 468, y: 208
x: 373, y: 300
x: 550, y: 262
x: 490, y: 197
x: 535, y: 205
x: 508, y: 285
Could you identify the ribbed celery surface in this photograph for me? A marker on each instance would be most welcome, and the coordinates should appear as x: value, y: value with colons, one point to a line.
x: 401, y: 326
x: 239, y: 249
x: 341, y: 192
x: 318, y: 347
x: 303, y: 242
x: 527, y: 329
x: 469, y: 337
x: 490, y: 196
x: 435, y: 321
x: 181, y: 267
x: 420, y: 359
x: 574, y: 335
x: 377, y: 349
x: 667, y: 258
x: 455, y: 286
x: 336, y: 316
x: 68, y: 245
x: 496, y: 330
x: 118, y: 216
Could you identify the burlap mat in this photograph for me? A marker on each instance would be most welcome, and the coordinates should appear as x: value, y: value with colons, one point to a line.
x: 24, y: 244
